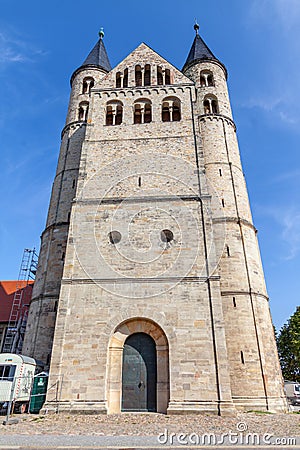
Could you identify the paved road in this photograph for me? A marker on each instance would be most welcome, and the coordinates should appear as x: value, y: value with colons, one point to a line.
x: 41, y: 442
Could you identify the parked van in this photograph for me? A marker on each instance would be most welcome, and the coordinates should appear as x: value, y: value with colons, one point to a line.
x: 292, y: 392
x: 16, y: 378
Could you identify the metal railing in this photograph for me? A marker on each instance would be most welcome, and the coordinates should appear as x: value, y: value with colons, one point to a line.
x: 22, y: 394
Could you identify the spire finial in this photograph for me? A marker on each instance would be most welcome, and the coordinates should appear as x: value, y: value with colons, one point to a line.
x: 101, y: 33
x: 196, y: 26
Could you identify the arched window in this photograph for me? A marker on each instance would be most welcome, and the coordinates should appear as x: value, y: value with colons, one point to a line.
x: 147, y: 113
x: 210, y: 80
x: 87, y: 85
x: 214, y: 107
x: 163, y: 76
x: 83, y: 111
x: 137, y: 114
x: 109, y: 115
x: 176, y: 111
x: 166, y: 115
x: 138, y: 76
x: 171, y: 110
x: 210, y: 105
x: 202, y: 81
x: 114, y: 113
x: 160, y: 79
x: 206, y: 105
x: 167, y: 76
x: 206, y: 78
x: 125, y: 79
x: 122, y: 79
x: 118, y: 79
x: 147, y: 75
x: 142, y: 111
x: 119, y: 115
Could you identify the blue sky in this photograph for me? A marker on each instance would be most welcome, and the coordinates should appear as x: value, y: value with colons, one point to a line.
x: 42, y: 43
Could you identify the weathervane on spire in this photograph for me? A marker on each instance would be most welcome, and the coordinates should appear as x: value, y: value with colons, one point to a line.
x: 101, y: 33
x: 196, y: 26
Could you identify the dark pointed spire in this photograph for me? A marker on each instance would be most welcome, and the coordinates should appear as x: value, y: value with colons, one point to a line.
x: 199, y: 52
x: 98, y: 56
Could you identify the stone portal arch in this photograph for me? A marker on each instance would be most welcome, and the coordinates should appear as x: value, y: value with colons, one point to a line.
x: 115, y: 357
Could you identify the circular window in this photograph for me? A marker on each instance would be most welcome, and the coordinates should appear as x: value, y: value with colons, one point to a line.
x: 166, y: 235
x: 114, y: 237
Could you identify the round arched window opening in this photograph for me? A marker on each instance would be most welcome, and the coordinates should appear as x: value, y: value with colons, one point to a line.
x: 114, y: 237
x: 166, y: 235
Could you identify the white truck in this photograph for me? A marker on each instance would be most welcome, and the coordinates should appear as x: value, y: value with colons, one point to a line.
x: 16, y: 378
x: 292, y: 392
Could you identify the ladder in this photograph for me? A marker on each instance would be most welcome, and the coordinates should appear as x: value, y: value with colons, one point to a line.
x: 18, y: 314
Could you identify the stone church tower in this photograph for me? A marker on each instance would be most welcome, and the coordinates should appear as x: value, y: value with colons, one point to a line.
x: 150, y: 293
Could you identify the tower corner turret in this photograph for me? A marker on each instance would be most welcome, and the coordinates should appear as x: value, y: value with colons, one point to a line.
x: 84, y: 78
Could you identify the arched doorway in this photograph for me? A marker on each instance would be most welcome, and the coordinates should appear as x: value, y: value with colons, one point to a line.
x: 123, y: 335
x: 139, y: 373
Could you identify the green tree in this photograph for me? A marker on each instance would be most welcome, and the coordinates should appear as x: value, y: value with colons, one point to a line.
x: 288, y: 343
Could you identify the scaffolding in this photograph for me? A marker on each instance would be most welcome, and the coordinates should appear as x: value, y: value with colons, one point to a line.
x: 19, y: 311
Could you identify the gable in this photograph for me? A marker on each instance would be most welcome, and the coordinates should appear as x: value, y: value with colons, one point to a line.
x: 144, y: 57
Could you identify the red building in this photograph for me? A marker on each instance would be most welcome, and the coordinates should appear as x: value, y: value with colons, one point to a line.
x: 21, y: 291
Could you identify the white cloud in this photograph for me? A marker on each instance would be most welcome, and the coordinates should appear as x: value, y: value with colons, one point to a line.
x: 282, y: 109
x: 268, y: 103
x: 278, y: 92
x: 15, y: 50
x: 10, y: 50
x: 288, y: 11
x: 288, y: 176
x: 274, y: 12
x: 291, y: 232
x: 288, y: 218
x: 7, y: 55
x: 289, y: 118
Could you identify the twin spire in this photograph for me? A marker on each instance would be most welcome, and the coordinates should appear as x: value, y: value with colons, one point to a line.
x: 199, y: 52
x: 98, y: 56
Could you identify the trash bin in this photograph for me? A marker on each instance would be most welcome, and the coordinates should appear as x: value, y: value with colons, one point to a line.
x: 38, y: 392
